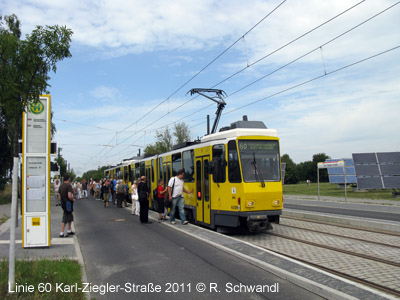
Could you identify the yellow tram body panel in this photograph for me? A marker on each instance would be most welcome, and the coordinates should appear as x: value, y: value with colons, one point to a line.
x: 253, y: 197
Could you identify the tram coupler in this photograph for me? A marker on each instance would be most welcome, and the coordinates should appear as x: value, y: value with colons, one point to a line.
x: 258, y: 223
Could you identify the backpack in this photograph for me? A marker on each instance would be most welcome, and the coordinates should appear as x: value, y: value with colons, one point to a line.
x: 155, y: 193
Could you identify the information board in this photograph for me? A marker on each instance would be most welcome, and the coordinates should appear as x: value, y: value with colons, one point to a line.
x: 36, y: 174
x: 36, y: 184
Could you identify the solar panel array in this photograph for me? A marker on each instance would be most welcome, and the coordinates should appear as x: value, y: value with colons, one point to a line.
x: 336, y: 174
x: 377, y: 170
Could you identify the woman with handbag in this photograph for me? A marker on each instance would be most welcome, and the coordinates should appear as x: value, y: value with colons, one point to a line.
x: 135, y: 199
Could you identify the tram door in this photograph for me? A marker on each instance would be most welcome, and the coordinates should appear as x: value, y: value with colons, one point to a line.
x: 148, y: 182
x: 203, y: 190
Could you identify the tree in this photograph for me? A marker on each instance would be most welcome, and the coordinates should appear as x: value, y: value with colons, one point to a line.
x: 164, y: 140
x: 323, y: 173
x: 291, y: 170
x: 5, y: 155
x: 307, y: 170
x: 24, y: 75
x: 181, y: 133
x: 95, y: 174
x: 24, y: 69
x: 163, y: 143
x: 62, y: 164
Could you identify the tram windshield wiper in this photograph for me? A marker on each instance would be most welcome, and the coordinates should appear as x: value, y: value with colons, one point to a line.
x: 256, y: 174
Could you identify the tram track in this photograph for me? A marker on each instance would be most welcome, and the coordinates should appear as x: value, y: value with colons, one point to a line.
x: 396, y: 264
x: 337, y: 235
x: 368, y: 257
x: 344, y: 226
x: 368, y: 283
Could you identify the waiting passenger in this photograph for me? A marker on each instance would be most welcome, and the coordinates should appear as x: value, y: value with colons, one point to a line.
x: 143, y: 191
x: 120, y: 193
x: 160, y: 199
x: 106, y: 192
x: 135, y: 199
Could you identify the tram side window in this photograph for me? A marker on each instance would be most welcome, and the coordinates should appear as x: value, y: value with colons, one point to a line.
x: 143, y: 169
x: 206, y: 182
x: 218, y: 153
x: 130, y: 171
x: 152, y: 170
x: 176, y: 163
x: 188, y: 165
x: 233, y: 163
x: 169, y: 171
x: 160, y: 172
x: 198, y: 181
x: 137, y: 171
x: 165, y: 177
x: 125, y: 174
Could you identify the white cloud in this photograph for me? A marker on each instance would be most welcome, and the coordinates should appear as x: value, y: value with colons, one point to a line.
x: 105, y: 93
x: 186, y: 35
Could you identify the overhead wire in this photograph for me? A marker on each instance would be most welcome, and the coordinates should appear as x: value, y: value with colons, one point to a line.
x: 249, y: 65
x: 194, y: 76
x: 309, y: 81
x: 236, y: 73
x: 315, y: 49
x: 205, y: 67
x: 312, y: 79
x: 264, y: 57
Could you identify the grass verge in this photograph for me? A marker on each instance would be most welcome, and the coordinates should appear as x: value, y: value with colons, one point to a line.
x: 5, y: 196
x: 327, y: 189
x: 4, y: 219
x: 43, y: 277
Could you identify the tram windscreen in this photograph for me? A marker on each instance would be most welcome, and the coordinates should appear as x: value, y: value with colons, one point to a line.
x: 259, y: 160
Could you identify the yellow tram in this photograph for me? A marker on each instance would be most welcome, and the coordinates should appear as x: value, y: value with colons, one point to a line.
x: 235, y: 176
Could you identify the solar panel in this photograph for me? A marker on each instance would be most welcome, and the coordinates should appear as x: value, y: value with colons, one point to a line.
x: 367, y: 170
x: 335, y: 171
x: 336, y: 179
x: 392, y: 182
x: 340, y: 171
x: 349, y: 162
x: 336, y: 174
x: 369, y: 183
x: 339, y: 179
x: 390, y: 169
x: 389, y: 157
x: 364, y: 158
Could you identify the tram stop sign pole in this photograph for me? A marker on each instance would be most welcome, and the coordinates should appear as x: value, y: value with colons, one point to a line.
x: 36, y: 174
x: 331, y: 164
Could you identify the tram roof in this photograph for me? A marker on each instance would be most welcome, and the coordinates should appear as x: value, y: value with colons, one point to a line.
x: 234, y: 133
x: 210, y: 140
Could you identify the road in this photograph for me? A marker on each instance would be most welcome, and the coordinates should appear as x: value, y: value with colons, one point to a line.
x: 118, y: 250
x: 362, y: 212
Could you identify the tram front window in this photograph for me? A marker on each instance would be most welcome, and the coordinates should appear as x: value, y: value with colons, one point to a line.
x: 259, y: 160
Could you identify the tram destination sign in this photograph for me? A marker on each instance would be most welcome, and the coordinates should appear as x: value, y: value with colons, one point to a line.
x: 257, y: 145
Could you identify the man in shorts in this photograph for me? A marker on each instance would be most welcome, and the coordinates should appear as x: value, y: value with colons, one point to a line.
x: 67, y: 200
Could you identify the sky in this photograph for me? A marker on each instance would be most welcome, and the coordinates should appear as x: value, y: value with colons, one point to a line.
x: 324, y: 74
